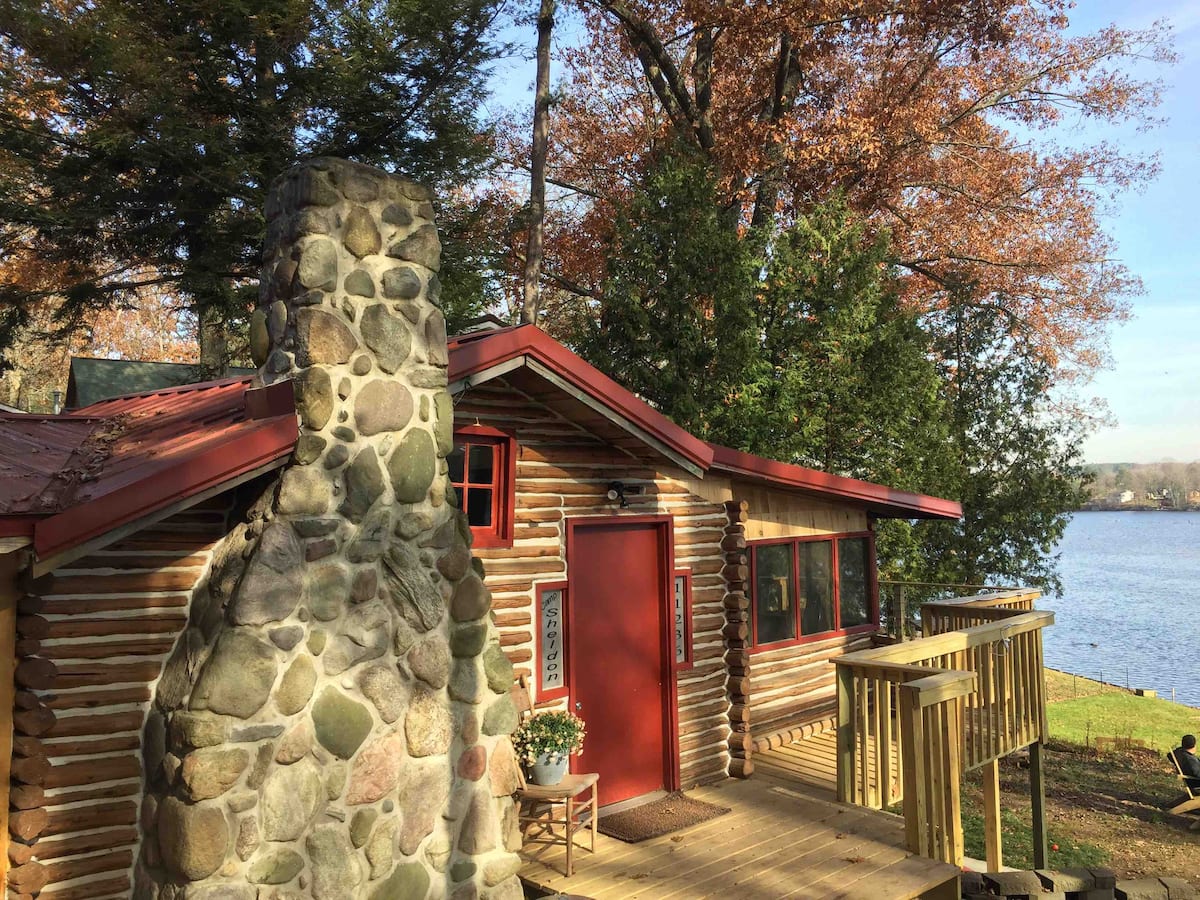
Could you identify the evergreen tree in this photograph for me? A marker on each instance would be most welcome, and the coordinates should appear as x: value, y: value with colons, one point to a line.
x: 1015, y: 466
x: 138, y: 138
x: 674, y: 321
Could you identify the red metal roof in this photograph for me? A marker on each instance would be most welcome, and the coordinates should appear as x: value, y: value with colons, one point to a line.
x: 879, y: 499
x: 67, y: 479
x: 473, y: 353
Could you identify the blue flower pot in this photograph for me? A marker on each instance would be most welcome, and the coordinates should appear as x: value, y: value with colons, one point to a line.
x: 546, y: 771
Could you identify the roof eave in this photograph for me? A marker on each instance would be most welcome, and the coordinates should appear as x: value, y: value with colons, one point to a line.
x: 880, y: 500
x: 486, y: 353
x: 268, y: 441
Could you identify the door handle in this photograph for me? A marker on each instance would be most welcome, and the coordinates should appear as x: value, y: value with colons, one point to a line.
x: 578, y: 705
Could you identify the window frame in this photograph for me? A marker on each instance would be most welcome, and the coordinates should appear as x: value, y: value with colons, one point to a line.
x: 504, y: 483
x: 872, y: 589
x: 557, y: 693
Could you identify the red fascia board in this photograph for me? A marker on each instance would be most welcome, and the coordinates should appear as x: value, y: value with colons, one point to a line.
x: 876, y: 497
x: 263, y: 442
x: 469, y: 357
x: 18, y: 526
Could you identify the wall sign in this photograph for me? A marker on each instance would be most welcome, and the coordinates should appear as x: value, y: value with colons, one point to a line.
x: 552, y: 640
x: 682, y: 608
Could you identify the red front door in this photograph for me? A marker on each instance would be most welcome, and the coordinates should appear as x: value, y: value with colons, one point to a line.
x: 619, y: 672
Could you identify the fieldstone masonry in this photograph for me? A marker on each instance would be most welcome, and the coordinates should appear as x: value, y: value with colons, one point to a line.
x: 334, y: 721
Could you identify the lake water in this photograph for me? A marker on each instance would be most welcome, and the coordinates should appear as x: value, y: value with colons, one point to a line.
x: 1130, y: 607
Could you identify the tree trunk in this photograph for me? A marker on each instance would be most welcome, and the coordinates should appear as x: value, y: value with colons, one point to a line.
x: 537, y: 183
x: 214, y: 342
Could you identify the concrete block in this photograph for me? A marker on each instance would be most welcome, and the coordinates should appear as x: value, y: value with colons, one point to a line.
x: 1068, y: 880
x: 1178, y: 889
x: 1141, y: 889
x: 1013, y: 884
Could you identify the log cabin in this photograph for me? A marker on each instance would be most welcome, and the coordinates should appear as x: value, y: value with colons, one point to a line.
x: 686, y: 599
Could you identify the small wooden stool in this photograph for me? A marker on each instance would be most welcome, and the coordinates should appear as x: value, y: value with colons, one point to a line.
x: 538, y: 804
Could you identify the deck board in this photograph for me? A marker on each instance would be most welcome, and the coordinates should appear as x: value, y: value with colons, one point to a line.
x: 785, y: 837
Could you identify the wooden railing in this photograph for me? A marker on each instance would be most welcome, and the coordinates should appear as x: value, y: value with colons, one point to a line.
x: 966, y: 693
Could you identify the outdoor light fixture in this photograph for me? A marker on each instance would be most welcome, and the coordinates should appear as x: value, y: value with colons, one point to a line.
x: 616, y: 491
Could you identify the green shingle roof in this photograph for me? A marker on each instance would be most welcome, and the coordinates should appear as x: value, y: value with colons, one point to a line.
x: 92, y: 380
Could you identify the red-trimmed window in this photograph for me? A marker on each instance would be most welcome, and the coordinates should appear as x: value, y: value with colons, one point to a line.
x: 552, y: 641
x: 808, y: 588
x: 482, y: 470
x: 682, y: 615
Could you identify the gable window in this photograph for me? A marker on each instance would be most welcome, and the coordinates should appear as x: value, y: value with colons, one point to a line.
x: 805, y: 587
x: 481, y: 469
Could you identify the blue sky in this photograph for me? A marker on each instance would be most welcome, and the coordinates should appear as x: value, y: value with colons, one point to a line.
x: 1152, y: 388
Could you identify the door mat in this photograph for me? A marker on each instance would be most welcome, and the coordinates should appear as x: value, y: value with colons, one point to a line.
x: 658, y: 817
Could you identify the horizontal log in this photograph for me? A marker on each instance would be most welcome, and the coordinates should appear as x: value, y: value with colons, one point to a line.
x: 734, y: 543
x: 534, y: 532
x: 512, y: 620
x: 93, y: 771
x: 19, y: 854
x: 738, y: 572
x: 93, y: 605
x: 139, y: 583
x: 161, y: 623
x: 36, y: 673
x: 111, y: 791
x: 87, y: 818
x: 518, y: 656
x: 35, y: 627
x: 76, y: 844
x: 739, y: 713
x: 135, y: 693
x: 26, y: 796
x: 505, y: 567
x: 179, y: 559
x: 99, y: 674
x: 489, y: 554
x: 517, y: 602
x: 87, y: 746
x: 33, y: 722
x: 117, y: 886
x: 27, y: 824
x: 735, y: 631
x: 70, y: 869
x: 26, y: 700
x: 26, y: 745
x: 737, y: 687
x: 105, y: 723
x: 27, y: 647
x: 110, y: 649
x: 514, y: 638
x: 30, y: 769
x: 30, y: 605
x: 537, y: 516
x: 29, y: 878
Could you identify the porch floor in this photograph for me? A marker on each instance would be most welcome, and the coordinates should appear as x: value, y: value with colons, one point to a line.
x: 785, y: 837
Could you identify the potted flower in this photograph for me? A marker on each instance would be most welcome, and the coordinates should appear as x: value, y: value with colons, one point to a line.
x: 544, y: 742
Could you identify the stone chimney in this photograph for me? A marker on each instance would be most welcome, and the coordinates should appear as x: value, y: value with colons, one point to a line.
x: 334, y: 720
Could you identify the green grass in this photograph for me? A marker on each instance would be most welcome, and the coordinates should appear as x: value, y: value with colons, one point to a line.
x: 1017, y: 840
x: 1116, y: 714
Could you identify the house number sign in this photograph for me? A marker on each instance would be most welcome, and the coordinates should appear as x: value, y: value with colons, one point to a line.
x: 551, y: 642
x: 680, y: 619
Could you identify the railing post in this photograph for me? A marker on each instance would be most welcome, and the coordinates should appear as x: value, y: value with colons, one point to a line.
x: 952, y: 741
x: 1037, y: 792
x: 912, y: 736
x: 901, y: 613
x: 993, y: 848
x: 845, y: 734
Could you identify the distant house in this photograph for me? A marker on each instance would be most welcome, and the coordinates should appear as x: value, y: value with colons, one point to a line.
x: 92, y: 380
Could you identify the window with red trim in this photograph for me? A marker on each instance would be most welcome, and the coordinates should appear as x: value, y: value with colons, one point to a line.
x: 802, y: 588
x: 481, y: 470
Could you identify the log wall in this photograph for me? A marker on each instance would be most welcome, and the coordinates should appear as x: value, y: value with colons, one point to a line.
x: 92, y: 640
x: 563, y: 470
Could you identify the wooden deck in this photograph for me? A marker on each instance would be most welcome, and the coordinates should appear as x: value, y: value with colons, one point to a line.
x: 785, y: 837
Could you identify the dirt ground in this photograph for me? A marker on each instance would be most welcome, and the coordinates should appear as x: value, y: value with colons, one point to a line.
x: 1116, y: 802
